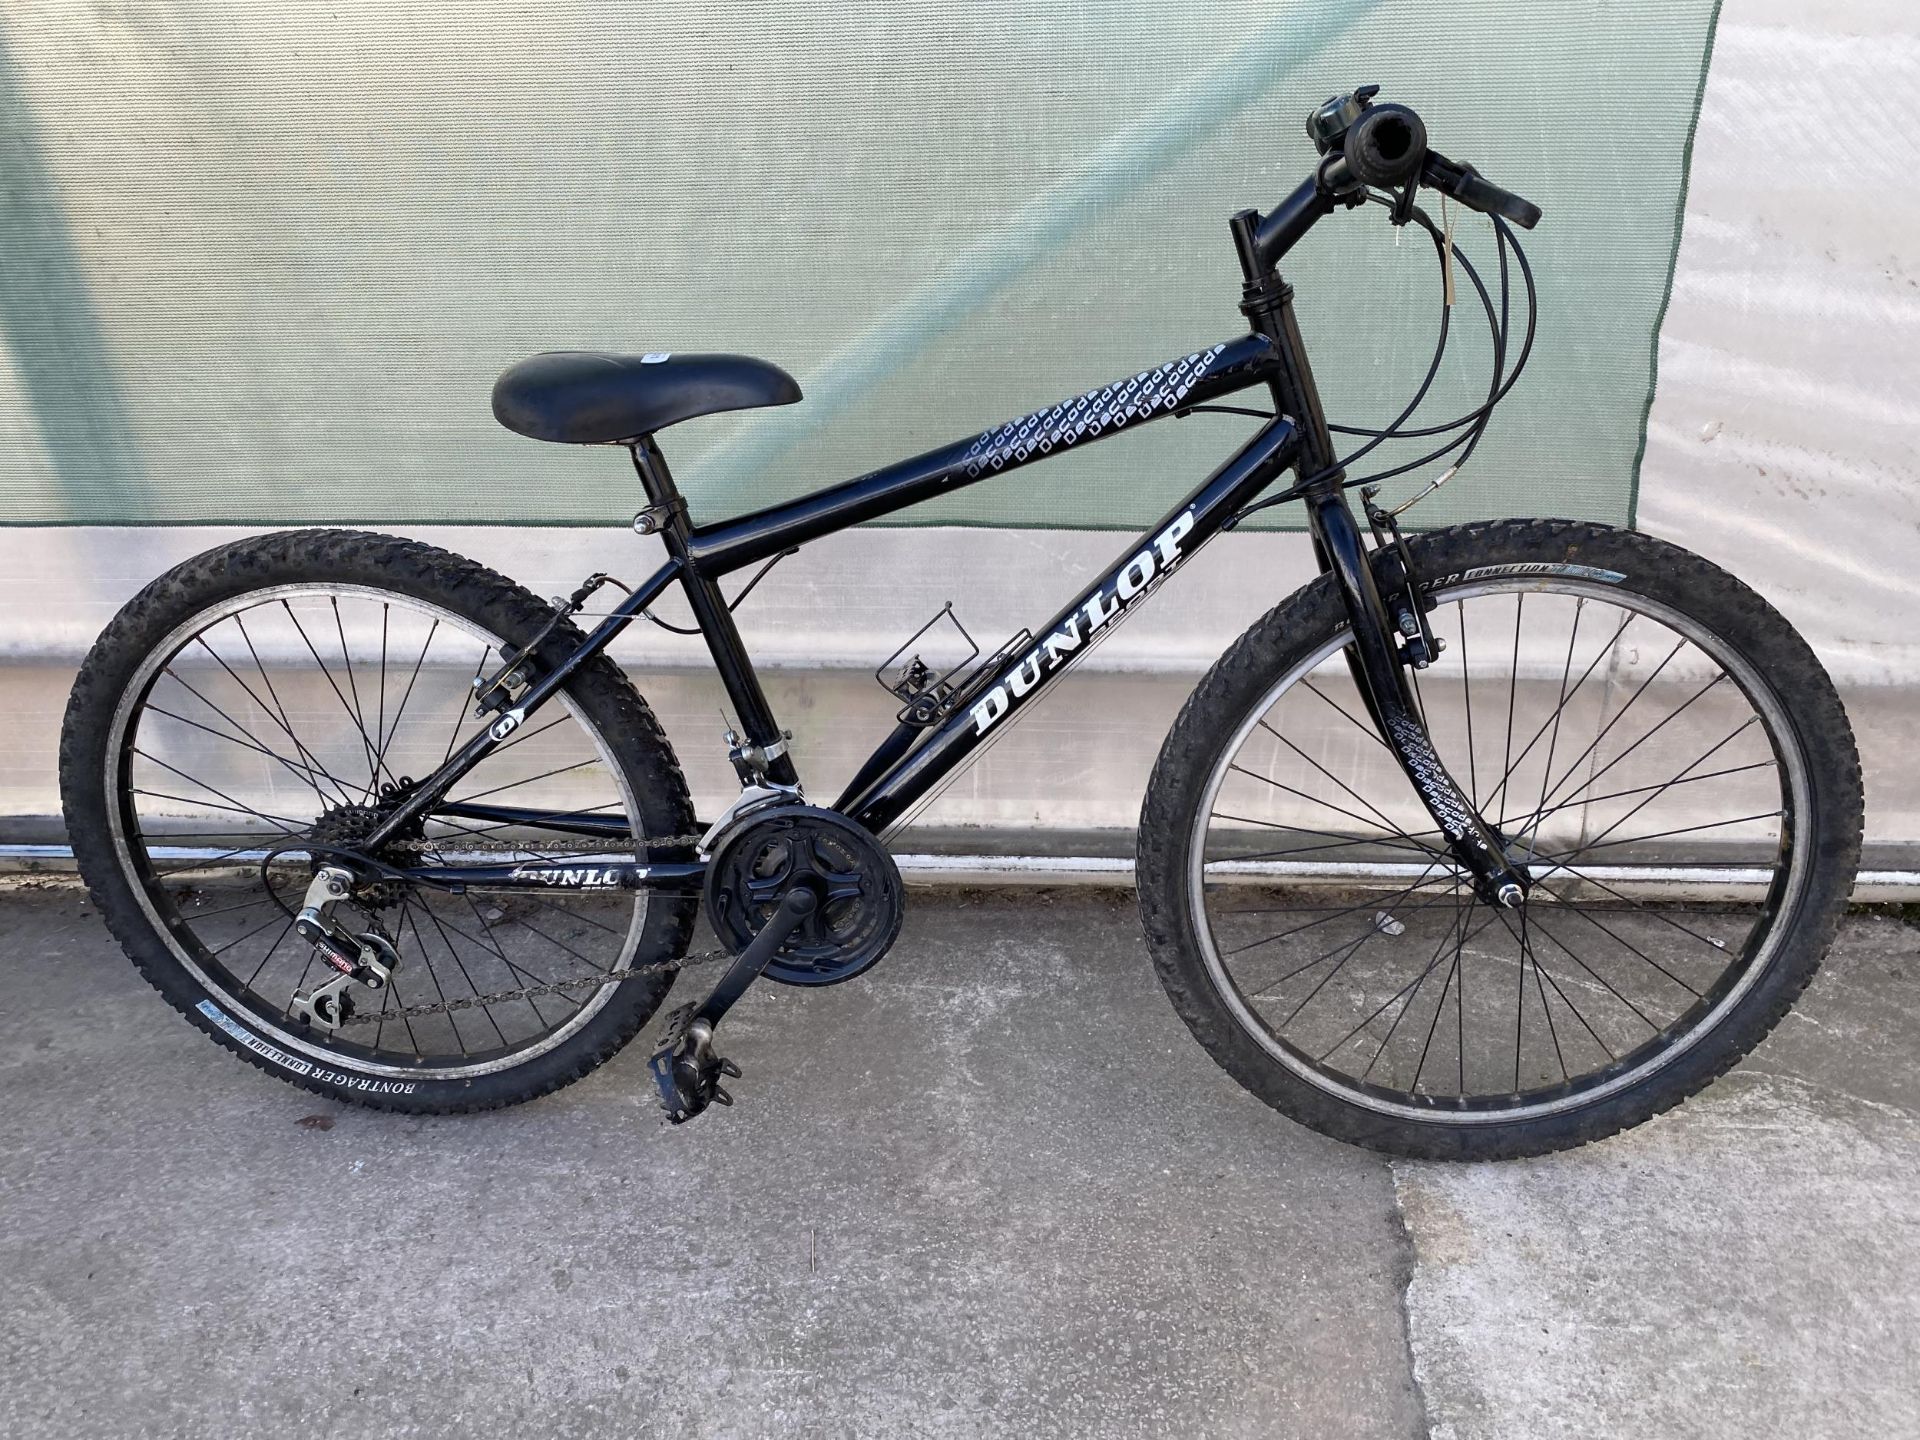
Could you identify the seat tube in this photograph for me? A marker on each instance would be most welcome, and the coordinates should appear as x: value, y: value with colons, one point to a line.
x: 758, y: 727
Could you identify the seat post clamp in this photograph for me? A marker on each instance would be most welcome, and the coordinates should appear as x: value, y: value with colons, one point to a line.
x: 653, y: 519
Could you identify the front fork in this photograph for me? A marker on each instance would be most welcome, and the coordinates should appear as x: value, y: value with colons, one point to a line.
x: 1379, y: 673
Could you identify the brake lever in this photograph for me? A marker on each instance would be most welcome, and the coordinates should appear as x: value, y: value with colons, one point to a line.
x: 1476, y: 192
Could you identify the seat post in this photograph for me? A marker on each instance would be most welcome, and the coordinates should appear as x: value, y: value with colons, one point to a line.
x: 763, y: 755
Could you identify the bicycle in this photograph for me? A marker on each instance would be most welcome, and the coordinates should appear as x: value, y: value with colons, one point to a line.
x: 1412, y: 921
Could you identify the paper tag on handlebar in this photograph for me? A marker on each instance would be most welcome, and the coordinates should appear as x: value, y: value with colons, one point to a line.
x: 1446, y: 250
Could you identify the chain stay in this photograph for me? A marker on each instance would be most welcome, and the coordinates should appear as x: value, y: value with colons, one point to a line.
x: 553, y: 987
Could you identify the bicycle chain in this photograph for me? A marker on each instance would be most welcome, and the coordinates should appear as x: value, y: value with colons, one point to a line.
x: 552, y: 987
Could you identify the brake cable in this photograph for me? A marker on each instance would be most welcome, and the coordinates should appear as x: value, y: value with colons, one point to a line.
x: 732, y: 605
x: 1474, y: 422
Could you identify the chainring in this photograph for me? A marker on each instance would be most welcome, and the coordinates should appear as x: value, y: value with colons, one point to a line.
x: 862, y: 898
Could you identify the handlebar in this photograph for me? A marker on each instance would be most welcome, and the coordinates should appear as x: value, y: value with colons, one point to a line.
x: 1365, y: 146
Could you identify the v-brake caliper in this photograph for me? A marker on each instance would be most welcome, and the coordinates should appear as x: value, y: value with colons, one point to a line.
x: 1480, y: 849
x: 368, y: 959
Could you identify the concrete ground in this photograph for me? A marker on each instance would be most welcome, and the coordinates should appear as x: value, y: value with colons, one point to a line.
x: 992, y: 1189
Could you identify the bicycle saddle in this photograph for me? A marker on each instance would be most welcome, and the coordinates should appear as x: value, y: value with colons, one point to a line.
x: 583, y: 397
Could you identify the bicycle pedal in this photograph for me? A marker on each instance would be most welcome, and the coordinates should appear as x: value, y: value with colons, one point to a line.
x: 686, y: 1070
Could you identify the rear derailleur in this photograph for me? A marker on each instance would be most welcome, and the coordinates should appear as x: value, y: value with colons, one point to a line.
x: 367, y: 959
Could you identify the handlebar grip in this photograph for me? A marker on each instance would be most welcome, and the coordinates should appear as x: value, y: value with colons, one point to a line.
x: 1386, y: 146
x: 1484, y: 195
x: 1476, y: 192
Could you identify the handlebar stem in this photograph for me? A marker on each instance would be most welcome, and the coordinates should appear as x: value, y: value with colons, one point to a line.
x: 1274, y: 234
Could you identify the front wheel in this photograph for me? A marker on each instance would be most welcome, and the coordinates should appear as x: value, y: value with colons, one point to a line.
x: 1650, y: 739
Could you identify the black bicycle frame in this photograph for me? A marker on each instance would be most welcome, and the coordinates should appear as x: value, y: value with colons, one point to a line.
x: 908, y: 765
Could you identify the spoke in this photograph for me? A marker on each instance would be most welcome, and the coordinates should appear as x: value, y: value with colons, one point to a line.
x: 202, y: 864
x: 1617, y: 939
x: 524, y: 735
x: 359, y: 713
x: 1453, y: 969
x: 1567, y: 950
x: 211, y: 790
x: 1527, y: 749
x: 1519, y: 1000
x: 1394, y: 1029
x: 490, y: 943
x: 280, y: 823
x: 1621, y: 714
x: 1351, y: 951
x: 574, y: 915
x: 1637, y: 906
x: 526, y: 924
x: 1680, y: 778
x: 1371, y: 904
x: 439, y: 852
x: 1384, y: 821
x: 532, y: 818
x: 1513, y: 688
x: 380, y: 724
x: 1527, y: 952
x: 515, y: 785
x: 271, y: 949
x: 305, y: 773
x: 486, y: 1010
x: 1336, y: 841
x: 1565, y: 1000
x: 267, y: 924
x: 1365, y: 729
x: 439, y: 994
x: 1460, y: 1005
x: 1595, y: 777
x: 400, y: 710
x: 1389, y: 831
x: 460, y: 710
x: 1466, y: 697
x: 331, y: 684
x: 391, y: 998
x: 277, y: 711
x: 1411, y: 985
x: 1662, y: 785
x: 199, y: 915
x: 1559, y: 861
x: 1559, y: 709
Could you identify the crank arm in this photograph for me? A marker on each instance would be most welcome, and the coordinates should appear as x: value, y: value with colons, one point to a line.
x: 686, y: 1067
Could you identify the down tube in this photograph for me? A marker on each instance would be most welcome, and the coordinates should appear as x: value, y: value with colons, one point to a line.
x: 1102, y: 606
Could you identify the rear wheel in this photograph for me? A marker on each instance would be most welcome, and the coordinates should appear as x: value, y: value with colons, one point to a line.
x: 273, y: 698
x: 1651, y: 740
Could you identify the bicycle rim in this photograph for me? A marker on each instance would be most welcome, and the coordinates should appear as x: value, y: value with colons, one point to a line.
x: 309, y: 699
x: 1347, y: 944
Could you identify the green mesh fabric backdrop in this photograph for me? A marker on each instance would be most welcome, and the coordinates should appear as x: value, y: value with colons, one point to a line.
x: 260, y: 262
